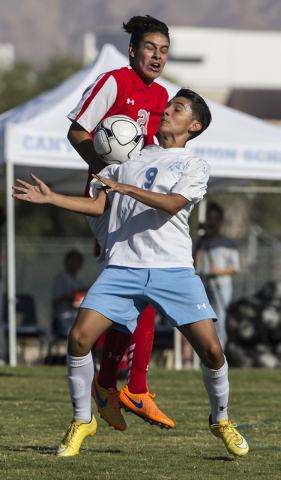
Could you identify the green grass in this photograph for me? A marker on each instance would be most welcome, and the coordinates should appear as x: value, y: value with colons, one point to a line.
x: 35, y: 411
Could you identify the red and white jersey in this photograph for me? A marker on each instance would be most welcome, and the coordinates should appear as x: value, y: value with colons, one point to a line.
x: 121, y: 92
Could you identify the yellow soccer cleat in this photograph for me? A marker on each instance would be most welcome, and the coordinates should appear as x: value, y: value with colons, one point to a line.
x: 107, y: 400
x: 235, y: 444
x: 74, y: 436
x: 141, y: 404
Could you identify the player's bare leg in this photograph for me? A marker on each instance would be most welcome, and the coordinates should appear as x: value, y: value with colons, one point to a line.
x: 203, y: 338
x: 89, y: 325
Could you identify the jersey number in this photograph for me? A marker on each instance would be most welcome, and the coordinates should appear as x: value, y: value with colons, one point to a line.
x: 150, y: 174
x: 143, y: 119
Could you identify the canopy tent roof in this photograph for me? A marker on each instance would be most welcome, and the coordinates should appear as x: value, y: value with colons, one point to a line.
x: 236, y: 145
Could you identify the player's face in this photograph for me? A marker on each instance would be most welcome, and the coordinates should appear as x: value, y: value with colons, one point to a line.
x: 176, y: 119
x: 149, y: 59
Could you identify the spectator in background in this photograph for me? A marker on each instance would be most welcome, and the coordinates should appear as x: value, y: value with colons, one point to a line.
x: 65, y: 286
x: 216, y: 260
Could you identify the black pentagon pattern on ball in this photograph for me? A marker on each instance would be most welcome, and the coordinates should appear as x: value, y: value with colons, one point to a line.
x: 108, y: 132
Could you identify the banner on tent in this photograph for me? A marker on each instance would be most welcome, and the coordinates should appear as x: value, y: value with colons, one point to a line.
x: 24, y: 147
x: 225, y: 160
x: 238, y: 161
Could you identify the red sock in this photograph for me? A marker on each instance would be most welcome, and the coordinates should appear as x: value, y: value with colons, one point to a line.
x: 115, y: 345
x: 140, y: 350
x: 123, y: 364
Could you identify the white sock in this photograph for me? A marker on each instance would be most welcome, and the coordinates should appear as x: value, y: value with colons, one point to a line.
x: 217, y: 386
x: 80, y: 373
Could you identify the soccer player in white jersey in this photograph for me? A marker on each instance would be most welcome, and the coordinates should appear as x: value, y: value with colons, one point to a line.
x: 129, y: 91
x: 148, y: 261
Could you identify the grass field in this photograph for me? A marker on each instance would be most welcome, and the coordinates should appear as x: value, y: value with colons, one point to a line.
x: 35, y: 412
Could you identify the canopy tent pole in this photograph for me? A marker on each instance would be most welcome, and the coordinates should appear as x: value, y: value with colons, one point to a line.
x: 11, y: 270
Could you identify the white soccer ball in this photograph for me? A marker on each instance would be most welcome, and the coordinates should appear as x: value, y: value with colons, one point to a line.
x: 117, y: 139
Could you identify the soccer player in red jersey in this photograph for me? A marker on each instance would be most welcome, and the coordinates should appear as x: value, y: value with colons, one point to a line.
x: 129, y: 91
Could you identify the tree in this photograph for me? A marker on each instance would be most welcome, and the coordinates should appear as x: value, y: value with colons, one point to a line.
x: 17, y: 85
x: 22, y: 83
x: 57, y: 70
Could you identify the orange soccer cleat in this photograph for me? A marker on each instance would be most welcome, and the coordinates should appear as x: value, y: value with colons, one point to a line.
x: 107, y: 400
x: 141, y: 404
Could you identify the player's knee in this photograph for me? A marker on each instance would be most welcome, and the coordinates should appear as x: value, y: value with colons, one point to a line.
x: 213, y: 356
x: 76, y: 340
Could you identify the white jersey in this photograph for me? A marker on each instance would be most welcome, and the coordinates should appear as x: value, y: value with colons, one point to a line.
x: 221, y: 252
x: 144, y: 237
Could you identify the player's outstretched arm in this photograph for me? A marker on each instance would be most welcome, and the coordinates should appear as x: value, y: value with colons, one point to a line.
x: 171, y: 204
x: 41, y: 193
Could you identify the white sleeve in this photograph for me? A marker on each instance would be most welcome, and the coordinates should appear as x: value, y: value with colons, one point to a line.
x: 108, y: 172
x: 95, y: 103
x: 193, y: 183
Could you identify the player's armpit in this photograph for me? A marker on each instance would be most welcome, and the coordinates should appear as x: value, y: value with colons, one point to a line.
x: 77, y: 134
x: 82, y: 142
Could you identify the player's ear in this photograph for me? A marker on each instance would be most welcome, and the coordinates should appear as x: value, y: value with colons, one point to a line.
x: 132, y: 50
x: 195, y: 126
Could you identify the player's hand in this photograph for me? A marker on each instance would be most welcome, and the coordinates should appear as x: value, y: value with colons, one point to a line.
x: 38, y: 193
x: 111, y: 185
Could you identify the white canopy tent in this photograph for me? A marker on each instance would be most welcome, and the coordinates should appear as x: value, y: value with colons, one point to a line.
x: 236, y: 145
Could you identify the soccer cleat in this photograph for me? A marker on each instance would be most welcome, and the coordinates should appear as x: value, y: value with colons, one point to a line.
x: 107, y: 400
x: 235, y: 444
x: 141, y: 404
x: 74, y: 436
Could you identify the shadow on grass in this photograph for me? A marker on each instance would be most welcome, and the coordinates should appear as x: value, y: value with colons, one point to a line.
x: 94, y: 450
x: 41, y: 450
x: 224, y: 459
x: 16, y: 375
x: 51, y: 451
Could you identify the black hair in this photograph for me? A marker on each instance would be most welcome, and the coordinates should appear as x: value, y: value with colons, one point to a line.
x: 200, y: 109
x: 215, y: 207
x: 138, y: 26
x: 73, y: 253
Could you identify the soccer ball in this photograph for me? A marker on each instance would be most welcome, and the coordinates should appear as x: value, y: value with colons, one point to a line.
x: 117, y: 139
